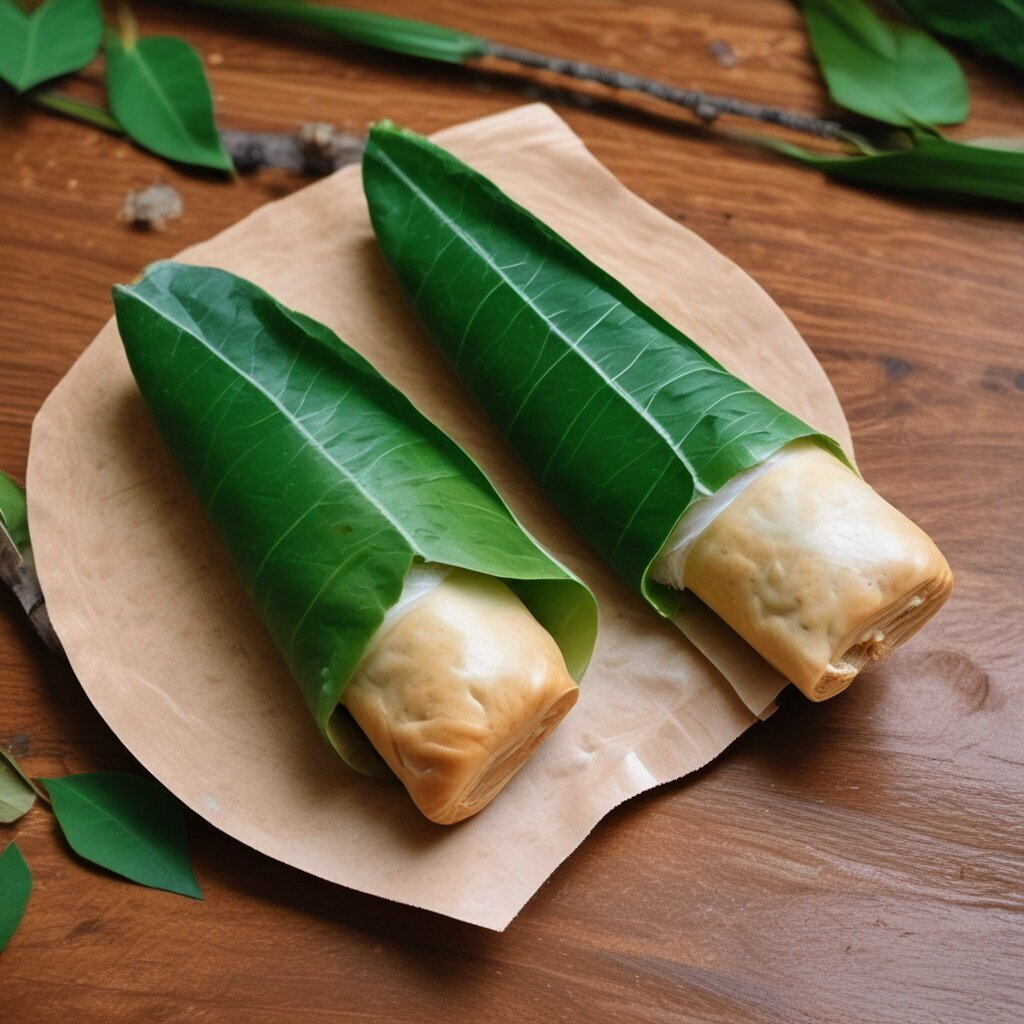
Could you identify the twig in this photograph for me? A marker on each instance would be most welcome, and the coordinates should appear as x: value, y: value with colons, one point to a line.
x: 314, y: 149
x: 20, y: 576
x: 707, y: 106
x: 399, y: 36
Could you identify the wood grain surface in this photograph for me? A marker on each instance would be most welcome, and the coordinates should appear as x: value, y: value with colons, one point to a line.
x: 857, y: 861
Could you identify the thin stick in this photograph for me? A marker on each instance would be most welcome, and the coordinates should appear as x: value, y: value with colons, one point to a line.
x: 20, y: 575
x: 707, y: 106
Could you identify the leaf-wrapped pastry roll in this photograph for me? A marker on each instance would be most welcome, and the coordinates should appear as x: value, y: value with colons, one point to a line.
x: 430, y: 634
x: 678, y: 473
x: 810, y: 565
x: 457, y: 689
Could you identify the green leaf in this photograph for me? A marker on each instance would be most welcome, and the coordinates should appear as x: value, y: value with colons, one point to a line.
x: 323, y: 480
x: 14, y: 516
x: 59, y: 36
x: 933, y: 165
x: 16, y: 793
x: 623, y: 418
x: 8, y: 757
x: 995, y: 27
x: 127, y: 824
x: 160, y: 96
x: 399, y: 35
x: 891, y: 72
x: 15, y: 888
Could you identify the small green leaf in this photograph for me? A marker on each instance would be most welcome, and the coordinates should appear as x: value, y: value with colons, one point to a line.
x: 16, y: 793
x: 932, y: 165
x: 995, y: 27
x: 160, y: 96
x: 14, y: 516
x: 59, y: 36
x: 15, y: 887
x: 399, y: 35
x: 891, y: 72
x: 8, y: 756
x: 128, y: 824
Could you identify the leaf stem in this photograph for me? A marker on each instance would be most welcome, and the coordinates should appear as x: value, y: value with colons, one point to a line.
x: 129, y: 26
x: 90, y: 113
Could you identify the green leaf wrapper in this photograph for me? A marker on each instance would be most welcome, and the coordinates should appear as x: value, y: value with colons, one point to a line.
x: 889, y: 71
x: 15, y: 889
x: 128, y: 824
x: 623, y: 418
x: 324, y: 481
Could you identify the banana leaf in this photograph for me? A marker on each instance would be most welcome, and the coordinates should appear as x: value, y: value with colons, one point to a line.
x: 324, y: 482
x: 623, y: 418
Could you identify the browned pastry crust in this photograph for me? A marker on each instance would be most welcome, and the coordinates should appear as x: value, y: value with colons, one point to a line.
x: 817, y: 572
x: 458, y: 691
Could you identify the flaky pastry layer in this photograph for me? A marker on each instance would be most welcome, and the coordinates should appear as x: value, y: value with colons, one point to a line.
x: 816, y: 571
x: 458, y: 691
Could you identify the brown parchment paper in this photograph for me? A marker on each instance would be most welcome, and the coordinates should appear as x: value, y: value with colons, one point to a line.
x: 162, y: 636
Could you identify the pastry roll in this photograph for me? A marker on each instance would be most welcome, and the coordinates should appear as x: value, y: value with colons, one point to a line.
x: 810, y: 565
x: 457, y: 689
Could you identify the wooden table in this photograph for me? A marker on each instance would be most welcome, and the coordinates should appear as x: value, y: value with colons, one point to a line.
x: 859, y: 860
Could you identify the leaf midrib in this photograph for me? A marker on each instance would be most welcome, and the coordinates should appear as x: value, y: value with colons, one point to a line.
x: 136, y: 54
x: 31, y: 43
